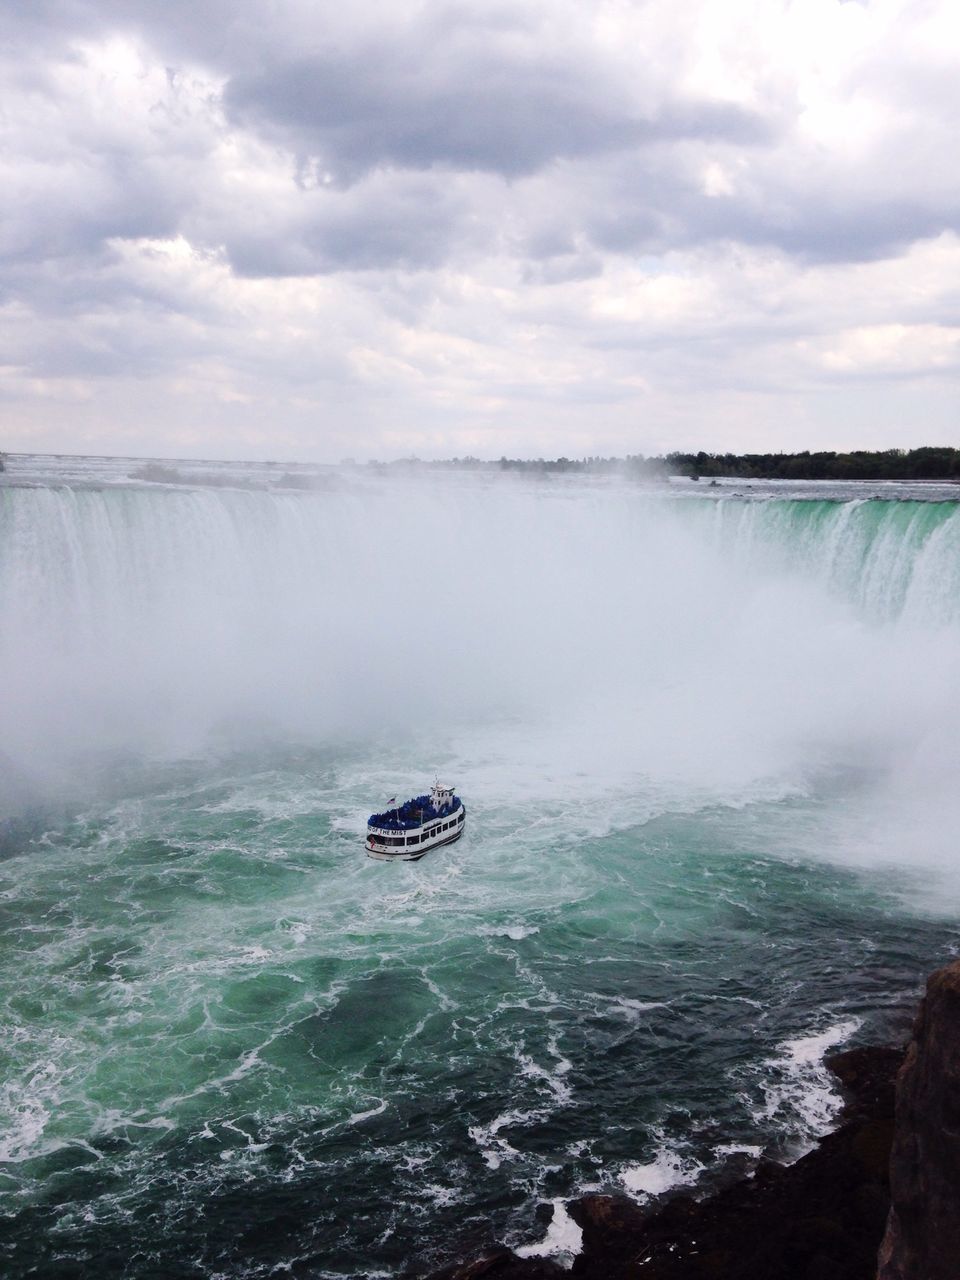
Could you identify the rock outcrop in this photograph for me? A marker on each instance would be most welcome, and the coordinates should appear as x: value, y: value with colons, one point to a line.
x: 821, y: 1218
x: 922, y: 1240
x: 874, y: 1181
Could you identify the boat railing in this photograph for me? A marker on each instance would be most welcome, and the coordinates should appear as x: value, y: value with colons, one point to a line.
x: 397, y: 819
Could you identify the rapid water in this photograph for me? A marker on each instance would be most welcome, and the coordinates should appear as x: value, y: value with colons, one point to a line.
x: 707, y: 747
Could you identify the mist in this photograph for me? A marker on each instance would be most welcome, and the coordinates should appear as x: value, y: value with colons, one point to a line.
x: 634, y: 649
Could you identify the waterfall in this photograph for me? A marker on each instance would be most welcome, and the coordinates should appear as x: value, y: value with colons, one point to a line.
x: 143, y: 613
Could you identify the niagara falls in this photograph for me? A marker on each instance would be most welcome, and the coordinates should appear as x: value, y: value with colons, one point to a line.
x: 479, y: 640
x: 707, y: 741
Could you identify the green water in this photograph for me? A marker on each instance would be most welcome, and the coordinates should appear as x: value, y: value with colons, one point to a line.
x: 233, y: 1042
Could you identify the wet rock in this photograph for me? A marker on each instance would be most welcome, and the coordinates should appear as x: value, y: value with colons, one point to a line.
x: 818, y: 1219
x: 502, y: 1264
x: 821, y: 1218
x: 922, y: 1240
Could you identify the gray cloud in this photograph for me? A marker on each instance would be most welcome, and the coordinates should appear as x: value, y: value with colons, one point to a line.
x: 102, y: 198
x: 812, y: 227
x: 401, y: 182
x: 409, y: 224
x: 413, y: 106
x: 455, y: 89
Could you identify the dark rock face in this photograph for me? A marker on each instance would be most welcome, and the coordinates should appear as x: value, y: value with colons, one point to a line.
x: 922, y: 1241
x: 502, y: 1265
x: 818, y: 1219
x: 821, y: 1218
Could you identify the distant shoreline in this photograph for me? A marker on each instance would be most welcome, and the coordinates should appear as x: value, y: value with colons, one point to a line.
x: 926, y: 465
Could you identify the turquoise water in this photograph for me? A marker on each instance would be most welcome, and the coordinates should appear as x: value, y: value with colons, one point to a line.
x: 707, y: 751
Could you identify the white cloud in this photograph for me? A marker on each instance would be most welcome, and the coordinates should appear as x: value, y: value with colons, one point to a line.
x: 893, y: 349
x: 531, y: 228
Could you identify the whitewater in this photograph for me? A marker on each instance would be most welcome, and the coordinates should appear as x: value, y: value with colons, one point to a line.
x: 707, y: 741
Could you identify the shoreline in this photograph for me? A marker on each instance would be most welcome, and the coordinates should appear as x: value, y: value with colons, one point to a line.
x: 820, y: 1218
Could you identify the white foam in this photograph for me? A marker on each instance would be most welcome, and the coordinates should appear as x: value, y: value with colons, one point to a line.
x: 726, y: 1149
x: 160, y: 1122
x: 30, y: 1118
x: 563, y: 1241
x: 627, y: 1007
x: 441, y: 1195
x: 493, y: 1148
x: 378, y: 1110
x: 668, y: 1170
x: 28, y: 1105
x: 515, y: 932
x: 801, y: 1093
x: 552, y: 1079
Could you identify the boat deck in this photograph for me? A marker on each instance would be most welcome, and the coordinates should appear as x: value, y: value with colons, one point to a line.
x: 412, y: 814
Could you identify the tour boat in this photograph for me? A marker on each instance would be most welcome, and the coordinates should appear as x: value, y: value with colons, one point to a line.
x: 408, y: 831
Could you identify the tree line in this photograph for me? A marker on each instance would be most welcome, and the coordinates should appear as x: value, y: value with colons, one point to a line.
x: 927, y: 463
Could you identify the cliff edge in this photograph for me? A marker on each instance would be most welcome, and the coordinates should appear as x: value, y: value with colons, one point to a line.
x: 887, y: 1176
x: 922, y: 1240
x: 821, y: 1218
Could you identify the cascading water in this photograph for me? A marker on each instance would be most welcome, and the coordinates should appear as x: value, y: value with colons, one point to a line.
x: 708, y: 751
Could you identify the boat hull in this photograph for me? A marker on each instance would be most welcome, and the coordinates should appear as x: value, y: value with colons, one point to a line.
x: 413, y: 855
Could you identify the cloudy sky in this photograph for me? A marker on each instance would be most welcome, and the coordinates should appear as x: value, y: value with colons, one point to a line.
x: 315, y: 230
